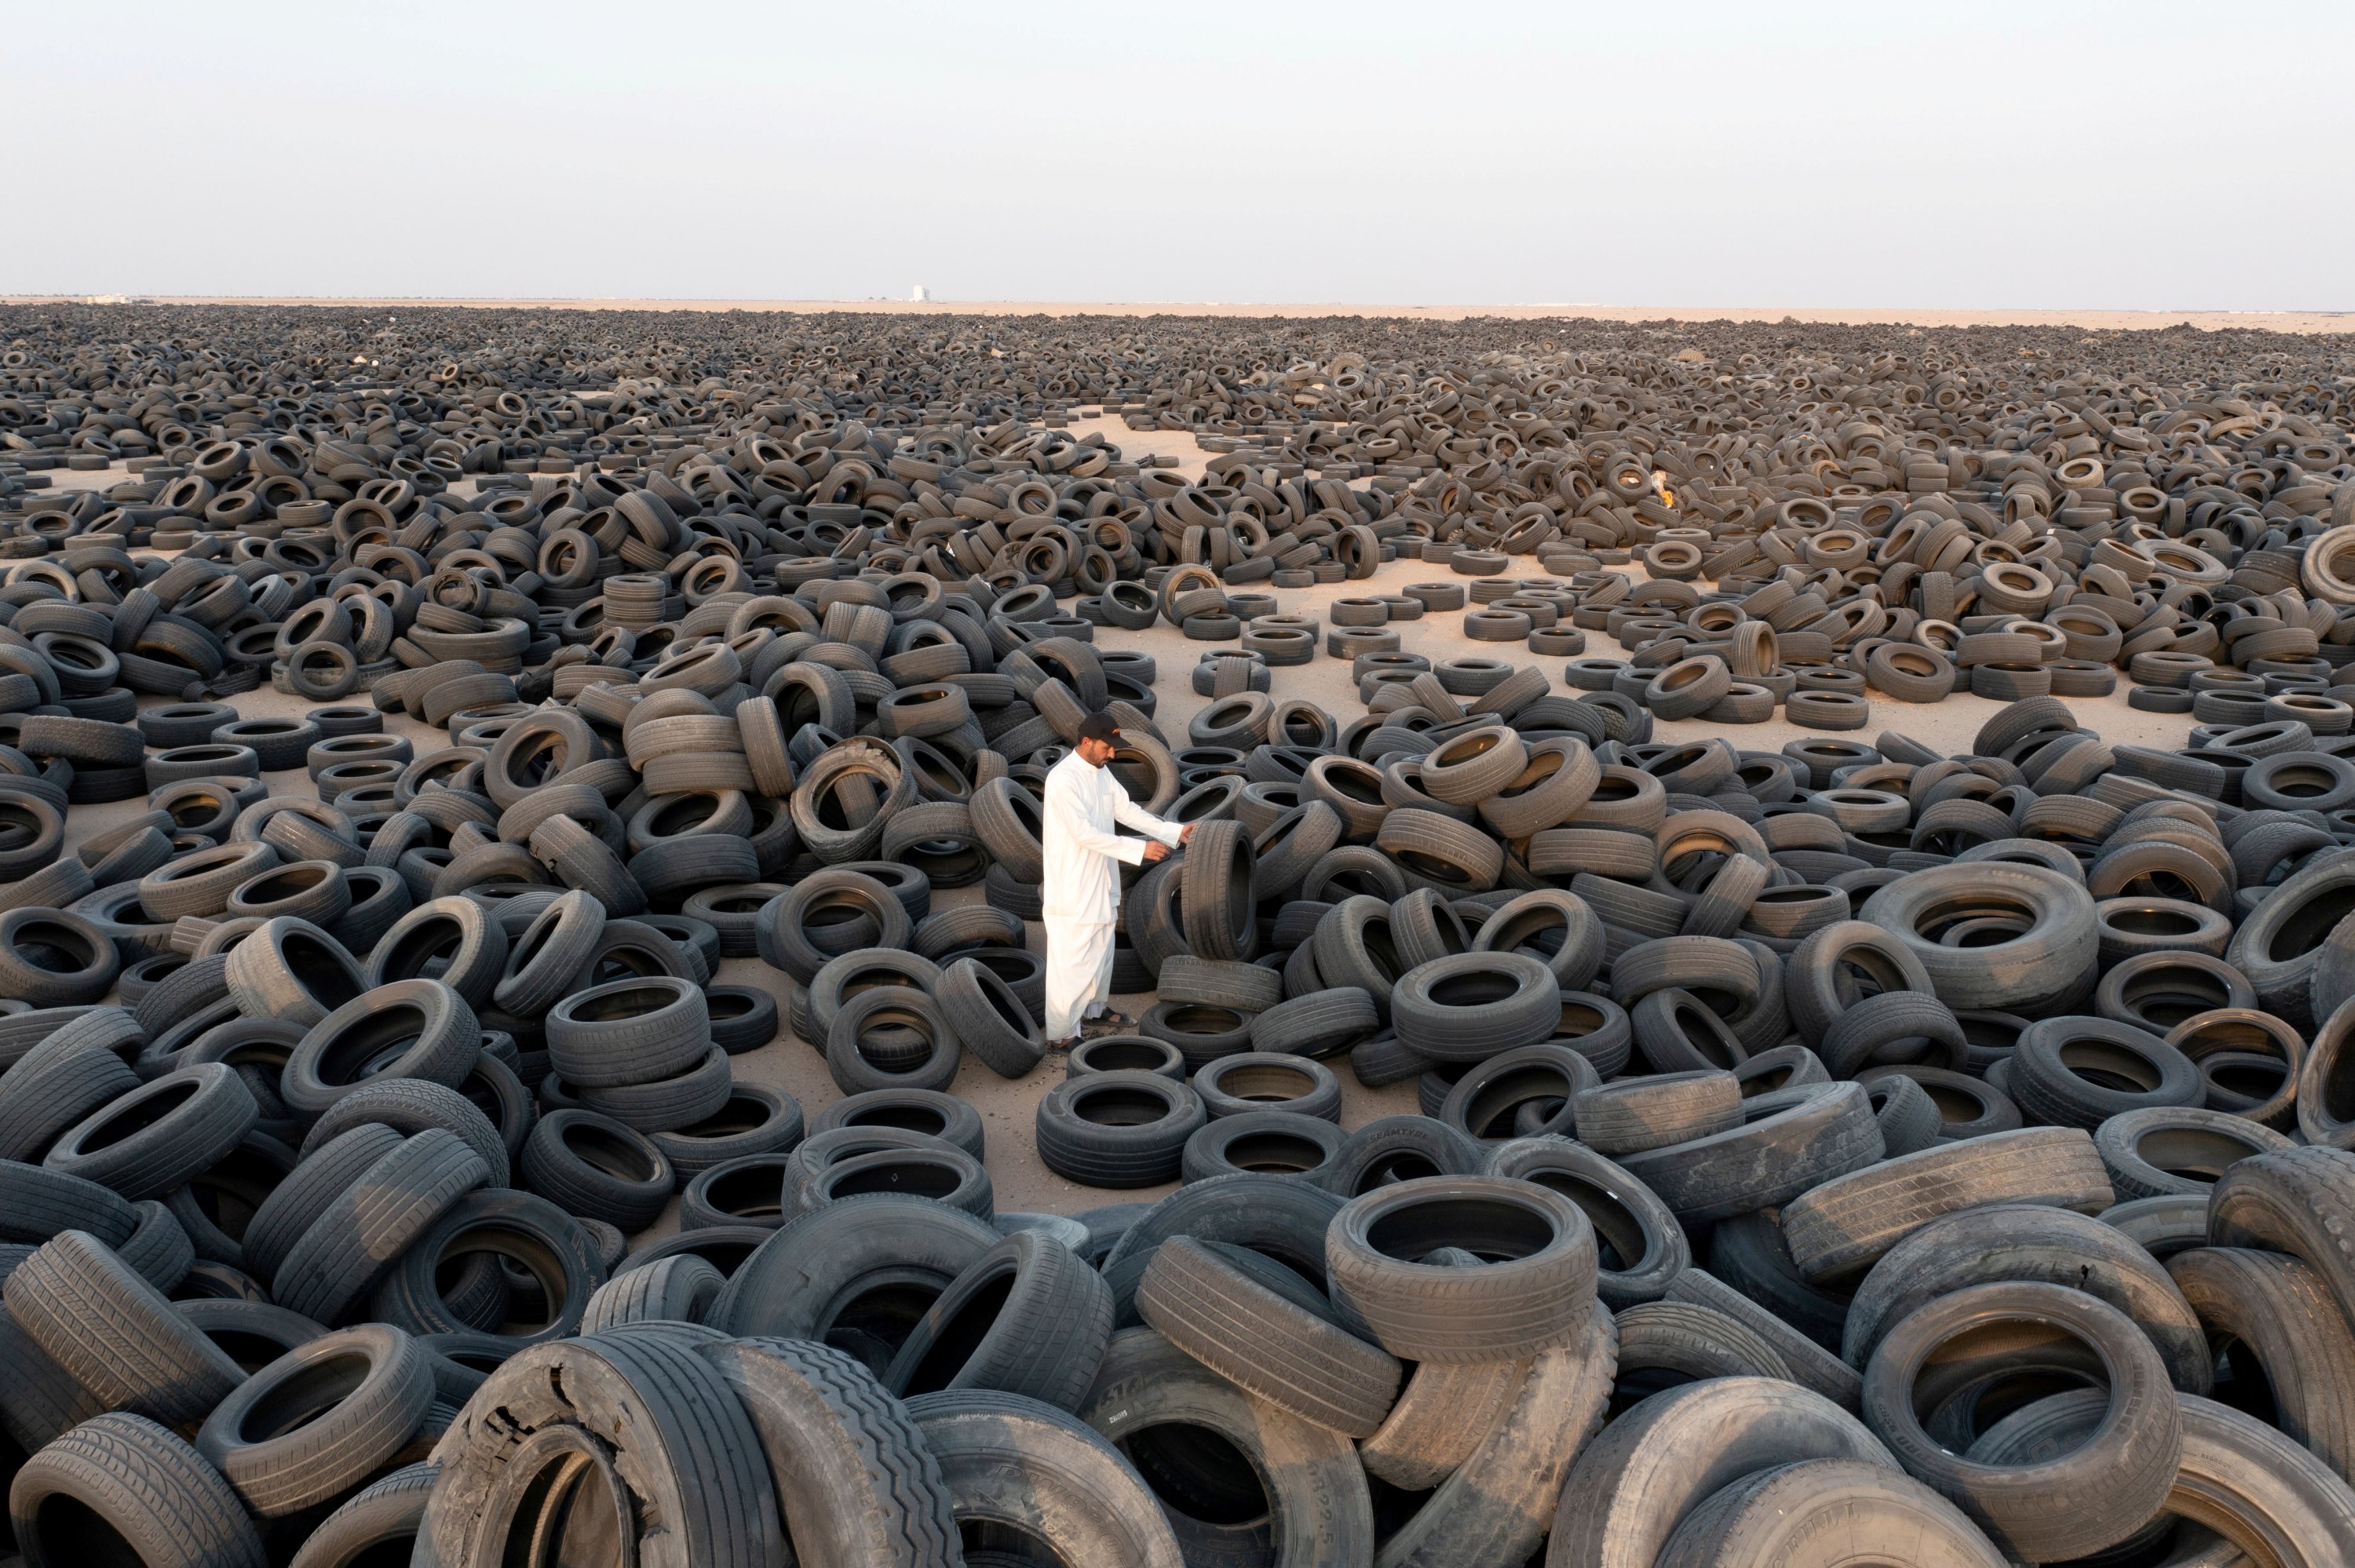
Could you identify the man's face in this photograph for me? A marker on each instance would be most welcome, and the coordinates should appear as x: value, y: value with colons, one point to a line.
x: 1096, y: 752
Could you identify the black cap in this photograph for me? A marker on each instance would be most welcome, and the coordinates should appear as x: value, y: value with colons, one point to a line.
x: 1099, y: 726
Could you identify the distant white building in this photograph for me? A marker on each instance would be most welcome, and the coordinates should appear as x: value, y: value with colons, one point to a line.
x: 919, y: 294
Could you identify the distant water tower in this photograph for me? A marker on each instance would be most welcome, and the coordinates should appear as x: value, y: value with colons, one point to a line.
x: 919, y: 294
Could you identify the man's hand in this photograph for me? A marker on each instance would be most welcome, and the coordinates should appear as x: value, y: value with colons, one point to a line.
x: 1185, y: 833
x: 1155, y: 850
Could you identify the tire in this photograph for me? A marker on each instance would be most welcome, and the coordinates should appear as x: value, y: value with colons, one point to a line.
x: 1640, y: 1249
x: 115, y: 1334
x: 1636, y: 1114
x: 1817, y: 988
x: 1658, y: 1462
x: 1315, y: 1493
x: 1118, y: 1129
x: 1442, y: 1414
x: 1667, y: 1344
x: 1791, y: 1140
x: 1494, y: 1509
x: 1826, y: 1511
x: 292, y: 971
x: 2259, y: 1489
x: 591, y: 1165
x: 926, y: 1111
x: 409, y: 1106
x: 2150, y: 1153
x: 817, y: 1266
x: 988, y: 1020
x: 2051, y: 1072
x: 1534, y: 1299
x: 383, y: 1516
x: 516, y: 1227
x: 312, y: 1425
x: 677, y: 1289
x: 132, y: 1479
x: 1916, y: 1024
x: 1018, y: 1465
x: 1216, y: 876
x: 1807, y: 1363
x: 1315, y: 1024
x: 1849, y: 1221
x: 1401, y: 1147
x: 542, y: 961
x: 2033, y: 973
x: 1272, y: 1141
x: 254, y: 1333
x: 793, y: 938
x: 1295, y: 1360
x: 2033, y: 1243
x: 1028, y: 1317
x: 754, y: 1119
x: 2277, y: 1312
x: 2072, y: 1505
x: 1906, y: 1115
x: 1976, y: 1107
x: 1268, y: 1080
x: 409, y: 1028
x: 1471, y: 1006
x: 296, y: 1203
x: 1516, y: 927
x: 1535, y: 1085
x: 48, y: 1092
x: 629, y: 1031
x: 687, y: 1453
x: 363, y: 1230
x: 89, y: 950
x: 153, y: 1139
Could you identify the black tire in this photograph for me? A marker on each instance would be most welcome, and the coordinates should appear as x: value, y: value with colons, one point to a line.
x: 1015, y: 1464
x: 743, y: 1017
x: 381, y: 1518
x: 115, y: 1334
x: 1472, y: 1006
x: 292, y: 971
x: 747, y: 1191
x: 925, y: 1167
x: 591, y: 1165
x: 531, y: 1232
x: 1316, y: 1024
x: 1319, y: 1511
x: 1403, y: 1147
x: 363, y: 1229
x: 123, y: 1483
x: 49, y: 1091
x: 865, y: 1049
x: 296, y: 1203
x: 1125, y: 1054
x: 665, y: 1105
x: 1268, y: 1080
x: 1270, y: 1141
x: 1536, y: 1296
x: 542, y: 962
x: 2275, y: 1311
x: 409, y: 1106
x: 1118, y: 1129
x: 2038, y: 1510
x: 1836, y: 1508
x: 812, y: 1276
x: 409, y: 1028
x: 1849, y: 1221
x: 2051, y: 1072
x: 153, y: 1139
x: 1640, y: 1250
x: 1208, y: 982
x: 1028, y: 1316
x: 321, y: 1420
x: 1293, y: 1358
x: 856, y: 1482
x: 1809, y: 1364
x: 628, y: 1032
x: 988, y: 1020
x: 688, y: 1452
x: 2150, y: 1153
x: 754, y: 1119
x: 254, y: 1333
x: 1906, y: 1115
x: 51, y: 957
x: 926, y: 1111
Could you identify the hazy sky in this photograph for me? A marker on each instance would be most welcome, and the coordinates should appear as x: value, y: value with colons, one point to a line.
x: 1992, y: 156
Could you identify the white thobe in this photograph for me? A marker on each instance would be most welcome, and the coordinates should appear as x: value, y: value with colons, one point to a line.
x: 1081, y: 896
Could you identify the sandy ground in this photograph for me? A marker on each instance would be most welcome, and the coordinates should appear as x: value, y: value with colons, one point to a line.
x: 2091, y: 319
x: 1008, y: 1109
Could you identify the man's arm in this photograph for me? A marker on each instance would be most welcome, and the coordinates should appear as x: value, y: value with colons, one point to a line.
x: 1063, y: 805
x: 1128, y: 813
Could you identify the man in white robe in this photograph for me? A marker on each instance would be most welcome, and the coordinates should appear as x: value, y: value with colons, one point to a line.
x: 1081, y: 896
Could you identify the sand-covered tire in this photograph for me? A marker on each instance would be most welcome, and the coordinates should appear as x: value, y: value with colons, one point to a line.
x: 1263, y: 1343
x: 2029, y: 973
x: 1634, y: 1114
x: 1534, y: 1295
x: 1015, y: 1464
x: 1268, y: 1080
x: 361, y: 1230
x: 2054, y: 1506
x: 1822, y: 1512
x: 122, y: 1482
x: 1321, y: 1509
x: 2031, y: 1242
x: 811, y: 1271
x: 857, y: 1483
x: 659, y: 1425
x: 381, y: 1517
x: 1790, y: 1140
x: 321, y: 1419
x: 1658, y: 1462
x: 1848, y: 1222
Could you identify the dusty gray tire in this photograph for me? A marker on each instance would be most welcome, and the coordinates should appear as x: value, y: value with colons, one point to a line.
x: 856, y: 1482
x: 320, y: 1420
x: 1660, y: 1461
x: 123, y: 1477
x: 115, y: 1334
x: 1634, y: 1114
x: 2029, y: 973
x: 1468, y: 1007
x: 1401, y: 1148
x: 1791, y: 1140
x: 1536, y: 1296
x: 672, y: 1440
x: 2295, y: 1201
x: 1849, y: 1221
x: 1528, y: 1092
x: 2053, y: 1505
x: 1029, y: 1468
x: 681, y: 1288
x: 1321, y: 1512
x: 408, y: 1107
x: 37, y: 1204
x: 1268, y: 1080
x: 2277, y: 1309
x: 381, y: 1518
x: 1663, y: 1344
x: 1496, y: 1506
x: 2031, y: 1242
x: 291, y: 969
x: 2177, y: 1148
x: 47, y: 1092
x: 2260, y: 1489
x: 1029, y: 1316
x: 1264, y: 1344
x: 1809, y: 1364
x: 1822, y: 1512
x: 1442, y: 1414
